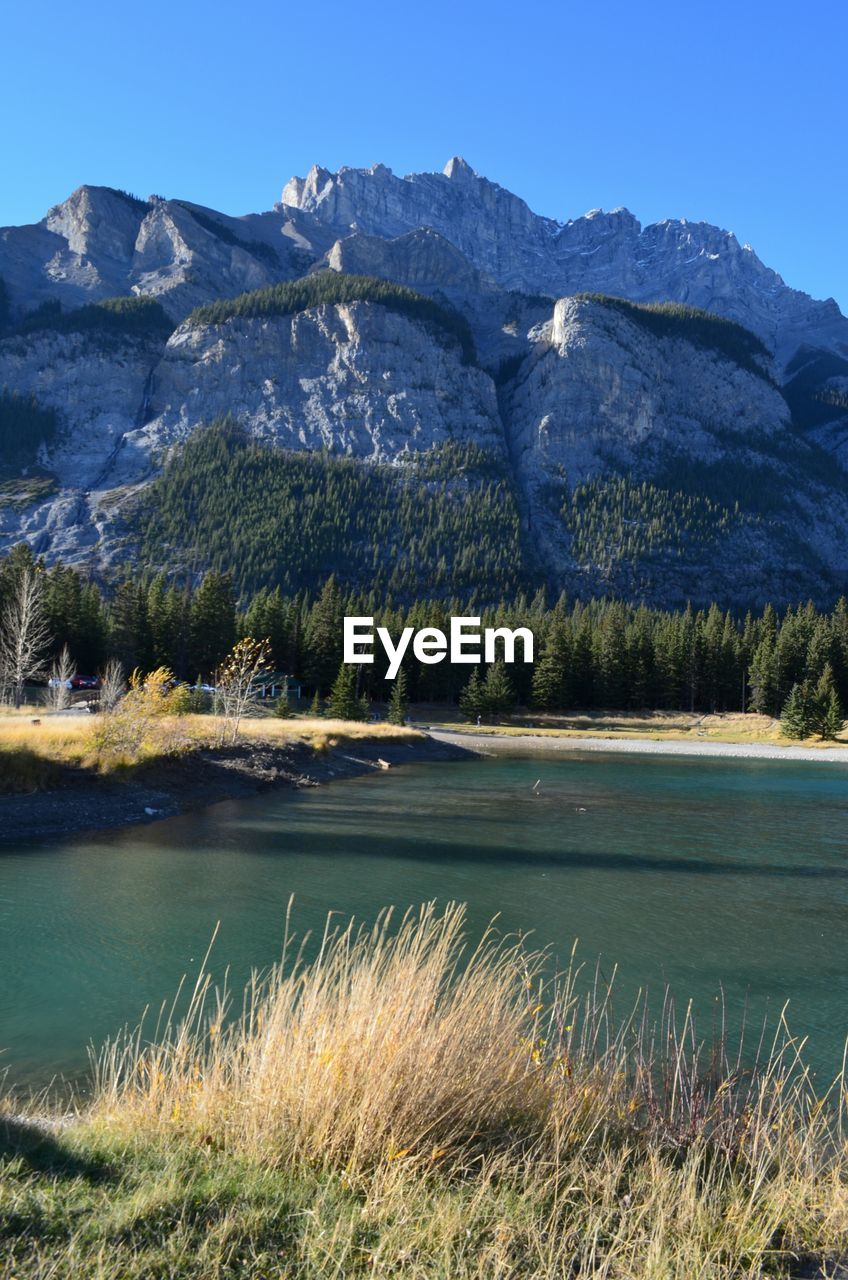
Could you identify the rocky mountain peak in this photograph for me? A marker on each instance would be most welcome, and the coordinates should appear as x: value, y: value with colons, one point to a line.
x: 458, y: 169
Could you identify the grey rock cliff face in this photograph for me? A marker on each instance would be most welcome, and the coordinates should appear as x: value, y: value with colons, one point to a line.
x: 601, y: 397
x: 602, y: 391
x: 101, y: 243
x: 566, y: 390
x: 356, y: 379
x: 98, y: 392
x: 422, y: 259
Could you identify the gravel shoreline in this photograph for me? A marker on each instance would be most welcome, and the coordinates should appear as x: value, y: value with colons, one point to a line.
x: 489, y: 744
x: 170, y: 786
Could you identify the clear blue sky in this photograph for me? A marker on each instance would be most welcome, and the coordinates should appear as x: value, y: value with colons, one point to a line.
x: 734, y: 113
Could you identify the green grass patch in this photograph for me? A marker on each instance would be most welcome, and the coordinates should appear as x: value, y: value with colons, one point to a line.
x: 23, y: 491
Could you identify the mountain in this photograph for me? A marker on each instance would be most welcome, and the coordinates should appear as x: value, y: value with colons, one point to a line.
x: 600, y: 252
x: 663, y: 416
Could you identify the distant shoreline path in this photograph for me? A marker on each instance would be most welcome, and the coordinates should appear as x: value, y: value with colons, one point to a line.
x: 495, y: 742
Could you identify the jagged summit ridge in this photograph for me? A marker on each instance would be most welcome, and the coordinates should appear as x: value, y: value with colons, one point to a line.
x: 606, y: 252
x: 100, y: 242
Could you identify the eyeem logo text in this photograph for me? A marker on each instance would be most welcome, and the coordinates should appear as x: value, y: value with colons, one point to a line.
x: 467, y: 643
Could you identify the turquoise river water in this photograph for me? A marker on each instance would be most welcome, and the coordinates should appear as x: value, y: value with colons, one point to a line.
x: 706, y: 874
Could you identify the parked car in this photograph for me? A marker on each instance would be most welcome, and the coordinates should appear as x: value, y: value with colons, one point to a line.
x: 85, y: 682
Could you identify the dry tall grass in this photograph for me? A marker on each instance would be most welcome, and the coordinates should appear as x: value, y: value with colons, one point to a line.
x: 491, y: 1122
x: 36, y: 747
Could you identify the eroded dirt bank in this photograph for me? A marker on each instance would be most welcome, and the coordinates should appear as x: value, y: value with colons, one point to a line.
x: 174, y: 785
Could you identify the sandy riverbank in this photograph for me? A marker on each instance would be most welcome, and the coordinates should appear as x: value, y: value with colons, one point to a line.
x: 492, y: 742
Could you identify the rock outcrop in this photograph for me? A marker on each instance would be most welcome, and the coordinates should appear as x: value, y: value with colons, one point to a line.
x: 601, y: 396
x: 101, y: 243
x: 99, y: 391
x: 357, y: 379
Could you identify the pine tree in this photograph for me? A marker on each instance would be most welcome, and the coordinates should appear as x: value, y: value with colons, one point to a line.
x: 797, y: 717
x: 641, y: 659
x: 819, y: 655
x: 212, y: 626
x: 582, y: 677
x: 164, y: 608
x: 612, y: 657
x: 471, y: 700
x: 832, y: 719
x: 839, y: 630
x: 826, y: 710
x: 551, y: 671
x: 315, y: 705
x: 763, y: 677
x: 498, y: 691
x: 714, y: 657
x: 343, y: 703
x: 130, y: 636
x: 323, y: 641
x: 398, y: 706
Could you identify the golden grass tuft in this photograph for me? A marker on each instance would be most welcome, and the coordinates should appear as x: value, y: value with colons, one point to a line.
x: 320, y: 730
x: 385, y: 1047
x: 491, y: 1122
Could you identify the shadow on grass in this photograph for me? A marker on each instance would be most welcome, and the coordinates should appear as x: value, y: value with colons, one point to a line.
x: 23, y: 770
x: 43, y: 1152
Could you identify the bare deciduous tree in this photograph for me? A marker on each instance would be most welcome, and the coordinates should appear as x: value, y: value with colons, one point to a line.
x: 237, y: 682
x: 113, y: 685
x: 62, y: 673
x: 24, y: 635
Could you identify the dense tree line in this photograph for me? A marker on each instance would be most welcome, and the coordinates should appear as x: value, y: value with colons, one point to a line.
x: 616, y: 519
x: 701, y: 328
x: 280, y: 517
x: 601, y: 654
x: 288, y: 519
x: 330, y: 287
x: 24, y: 425
x: 813, y: 708
x: 134, y: 317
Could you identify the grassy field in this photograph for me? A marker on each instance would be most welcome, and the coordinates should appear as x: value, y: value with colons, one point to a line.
x: 411, y: 1106
x: 37, y: 750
